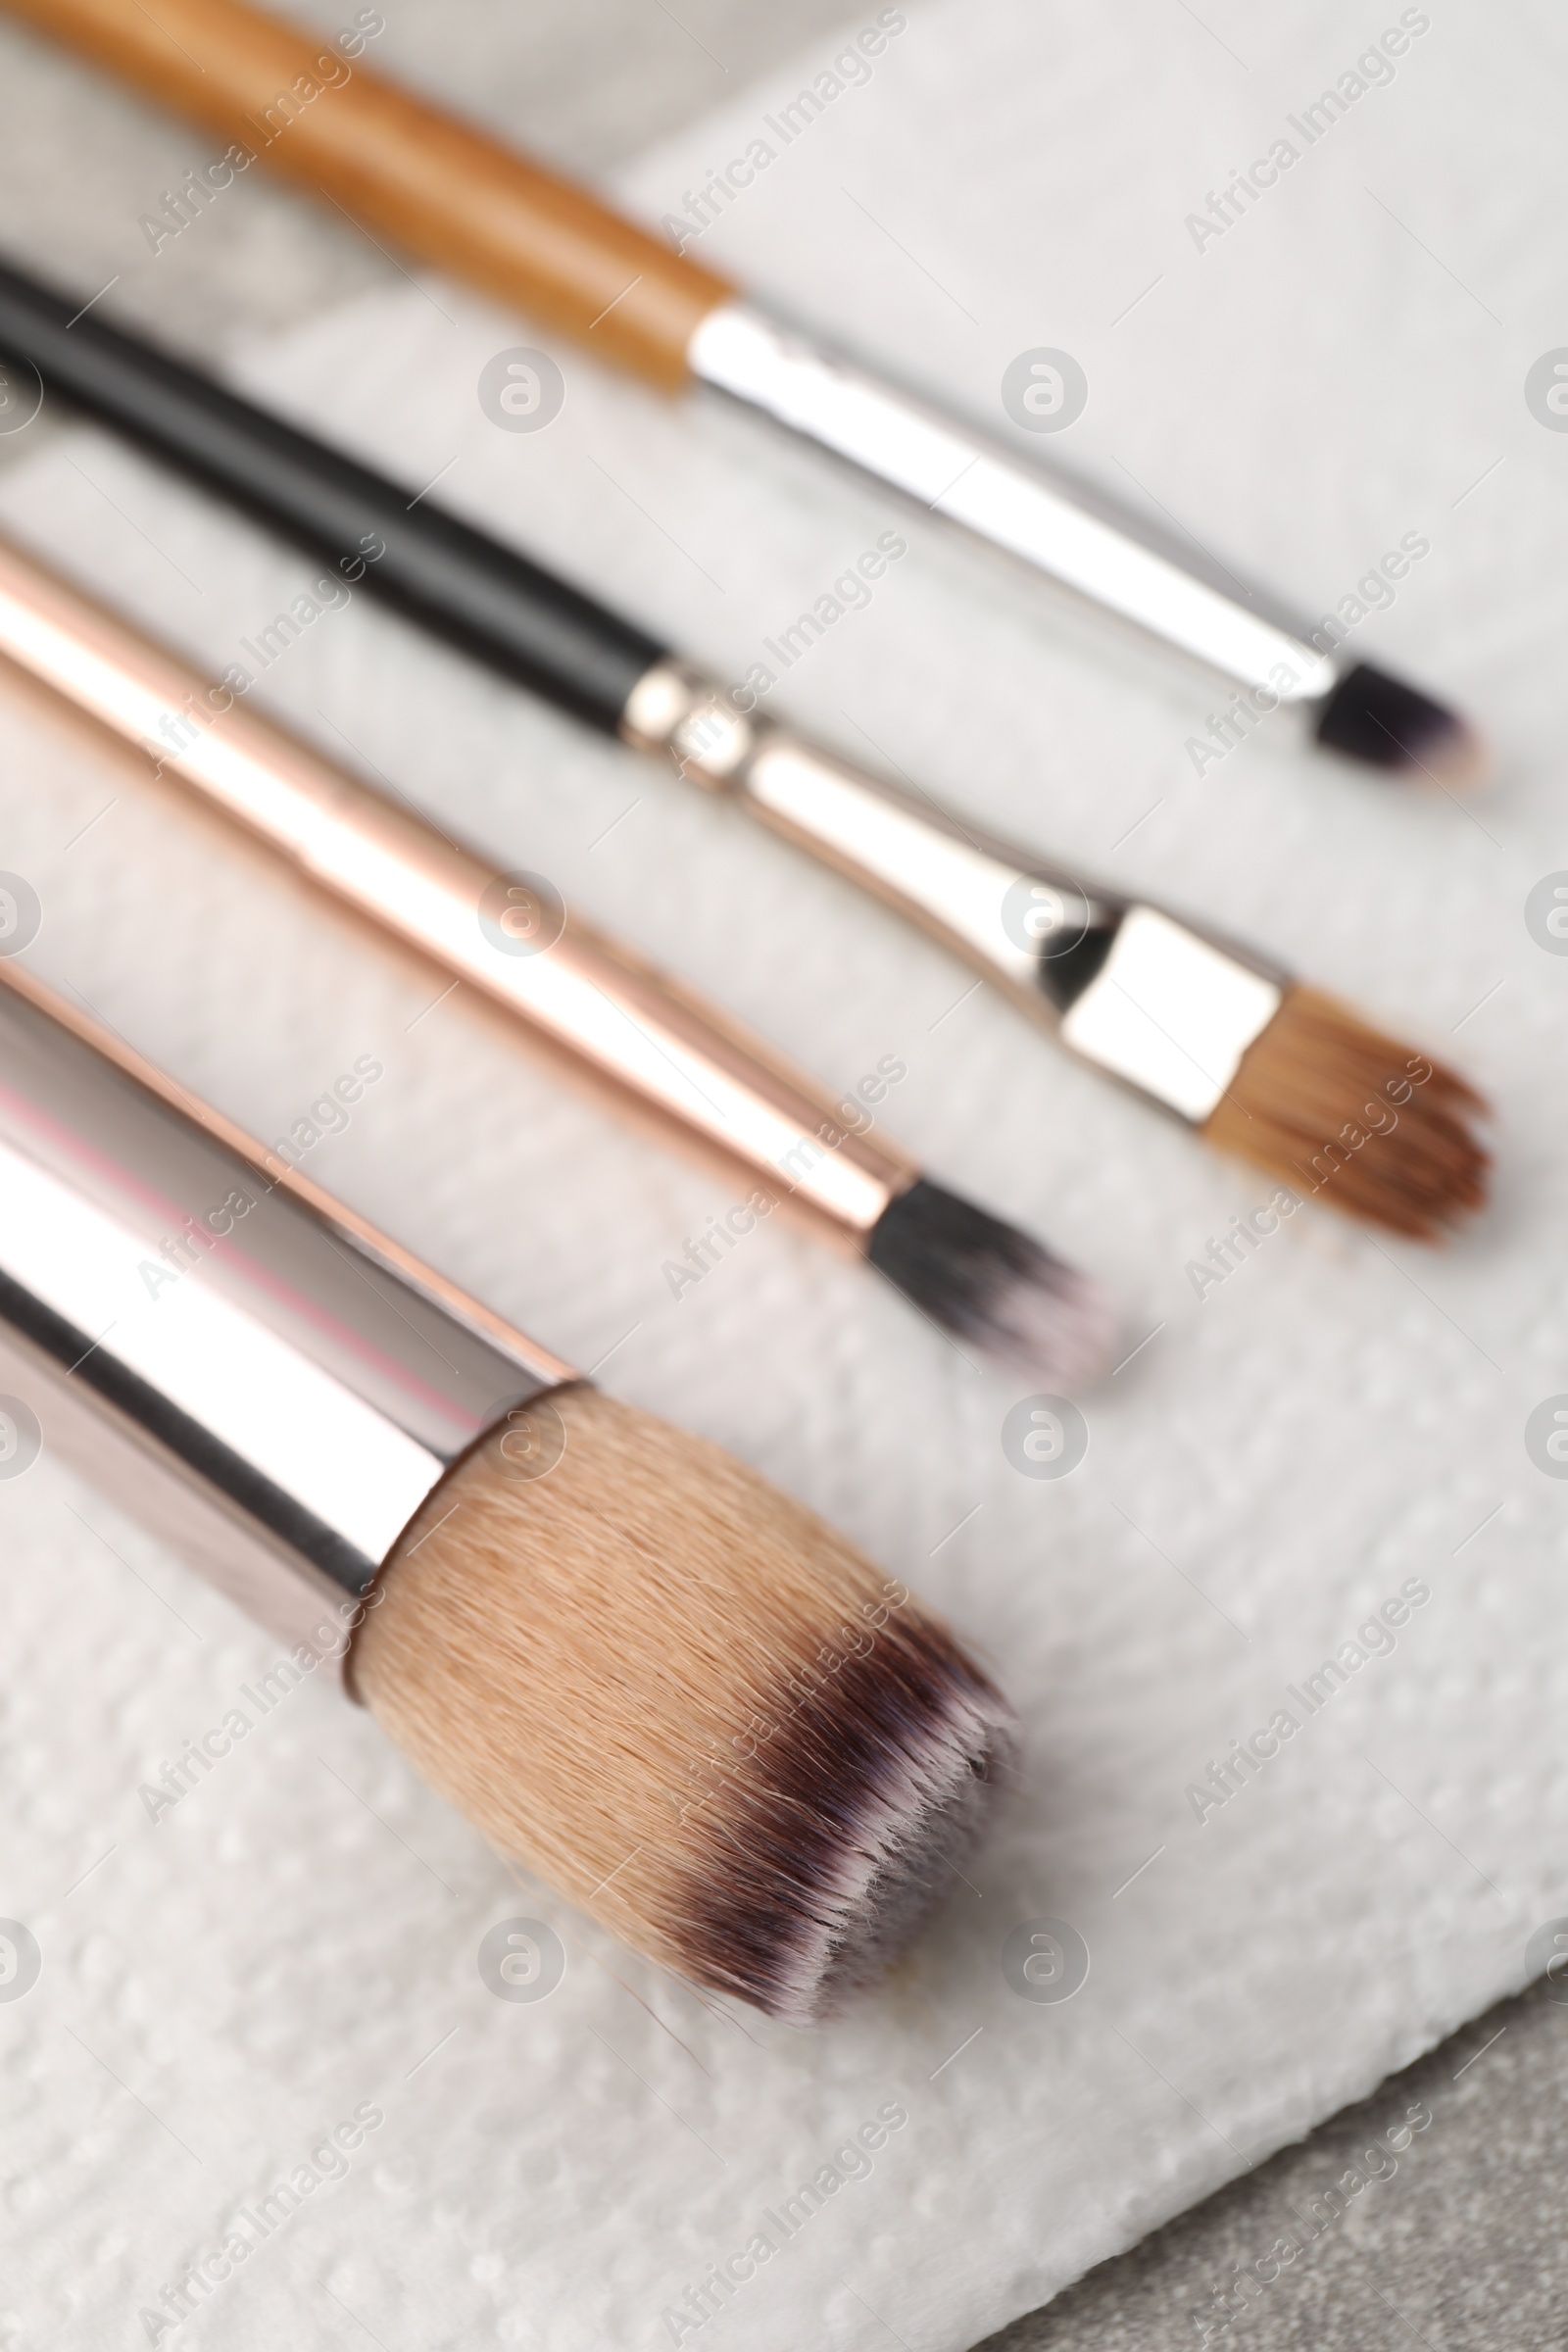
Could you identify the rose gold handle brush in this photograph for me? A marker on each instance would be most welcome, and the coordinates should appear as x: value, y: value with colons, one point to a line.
x: 630, y: 1663
x: 653, y: 1044
x: 460, y: 199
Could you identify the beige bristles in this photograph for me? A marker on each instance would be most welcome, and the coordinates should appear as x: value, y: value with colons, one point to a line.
x: 687, y: 1703
x: 1347, y: 1115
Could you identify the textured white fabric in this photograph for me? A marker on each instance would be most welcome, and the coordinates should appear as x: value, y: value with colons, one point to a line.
x: 1342, y: 367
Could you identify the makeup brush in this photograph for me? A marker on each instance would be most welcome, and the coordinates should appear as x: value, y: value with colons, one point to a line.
x: 636, y: 1668
x: 458, y: 198
x: 1223, y: 1038
x: 653, y: 1046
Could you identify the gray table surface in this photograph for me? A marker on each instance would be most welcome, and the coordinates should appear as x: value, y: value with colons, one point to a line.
x: 1459, y: 2246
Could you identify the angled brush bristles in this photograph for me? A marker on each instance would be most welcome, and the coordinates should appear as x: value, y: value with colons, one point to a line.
x: 1385, y: 723
x: 1340, y: 1110
x: 988, y: 1283
x: 687, y: 1703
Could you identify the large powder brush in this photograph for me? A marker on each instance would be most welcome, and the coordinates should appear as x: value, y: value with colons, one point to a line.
x: 631, y: 1663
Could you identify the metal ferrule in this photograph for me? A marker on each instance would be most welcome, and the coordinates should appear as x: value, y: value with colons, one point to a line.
x: 247, y: 1365
x: 1171, y: 1012
x: 1167, y: 1010
x: 980, y: 897
x: 1110, y: 557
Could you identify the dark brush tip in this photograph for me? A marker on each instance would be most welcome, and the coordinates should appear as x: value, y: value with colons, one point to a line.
x: 986, y: 1282
x: 827, y: 1856
x: 1384, y: 723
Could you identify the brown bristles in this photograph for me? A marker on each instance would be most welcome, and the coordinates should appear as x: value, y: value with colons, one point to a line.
x: 1347, y: 1115
x: 687, y: 1703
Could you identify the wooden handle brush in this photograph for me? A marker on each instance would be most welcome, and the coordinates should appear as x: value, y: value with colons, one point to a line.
x: 644, y: 1040
x: 630, y: 1663
x: 1208, y: 1030
x: 457, y: 197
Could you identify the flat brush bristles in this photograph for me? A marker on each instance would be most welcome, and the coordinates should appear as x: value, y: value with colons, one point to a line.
x: 986, y: 1282
x: 687, y: 1703
x: 1335, y: 1108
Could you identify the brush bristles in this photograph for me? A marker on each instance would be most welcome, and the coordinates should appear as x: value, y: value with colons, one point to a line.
x: 1340, y: 1111
x: 1384, y: 723
x: 687, y: 1703
x: 988, y: 1283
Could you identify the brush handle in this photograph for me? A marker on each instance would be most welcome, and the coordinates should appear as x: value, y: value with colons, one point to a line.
x: 535, y: 628
x: 655, y: 1044
x: 464, y: 587
x: 442, y: 188
x: 276, y: 1385
x: 455, y: 196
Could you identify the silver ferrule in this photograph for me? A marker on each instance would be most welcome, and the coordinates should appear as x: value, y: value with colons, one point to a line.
x: 255, y: 1372
x: 1171, y: 1012
x: 1109, y: 556
x: 1168, y: 1010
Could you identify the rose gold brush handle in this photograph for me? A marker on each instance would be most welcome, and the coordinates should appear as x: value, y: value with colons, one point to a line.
x: 250, y: 1368
x: 279, y: 1175
x: 440, y: 187
x: 644, y: 1036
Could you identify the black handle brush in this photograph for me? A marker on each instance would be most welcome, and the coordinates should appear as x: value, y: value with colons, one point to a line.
x: 1222, y: 1037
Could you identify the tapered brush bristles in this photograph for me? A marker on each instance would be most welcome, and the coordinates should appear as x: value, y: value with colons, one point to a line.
x: 687, y: 1703
x: 1385, y: 723
x: 988, y: 1283
x: 1342, y: 1112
